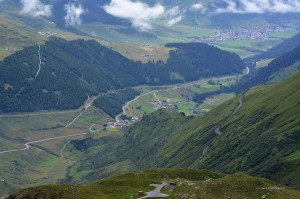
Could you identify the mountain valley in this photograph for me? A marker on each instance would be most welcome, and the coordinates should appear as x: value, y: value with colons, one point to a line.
x: 149, y: 99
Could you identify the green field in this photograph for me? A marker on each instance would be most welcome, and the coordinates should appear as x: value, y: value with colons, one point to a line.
x: 182, y: 98
x: 44, y: 162
x: 263, y: 63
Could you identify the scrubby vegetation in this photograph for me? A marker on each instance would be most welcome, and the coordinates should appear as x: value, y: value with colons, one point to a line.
x: 190, y: 183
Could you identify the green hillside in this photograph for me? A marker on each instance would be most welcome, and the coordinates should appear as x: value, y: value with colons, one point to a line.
x: 277, y: 70
x: 284, y: 47
x: 190, y: 183
x: 258, y: 134
x: 15, y: 36
x: 62, y: 74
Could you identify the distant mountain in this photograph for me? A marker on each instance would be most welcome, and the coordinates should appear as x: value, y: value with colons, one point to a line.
x: 257, y: 133
x: 276, y: 51
x: 96, y: 15
x: 279, y: 69
x: 193, y: 183
x: 61, y: 74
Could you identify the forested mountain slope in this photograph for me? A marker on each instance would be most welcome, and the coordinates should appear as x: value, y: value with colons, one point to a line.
x: 281, y: 49
x: 61, y: 74
x: 279, y: 69
x: 257, y: 132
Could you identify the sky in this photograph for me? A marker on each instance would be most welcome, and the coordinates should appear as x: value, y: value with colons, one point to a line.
x: 141, y: 15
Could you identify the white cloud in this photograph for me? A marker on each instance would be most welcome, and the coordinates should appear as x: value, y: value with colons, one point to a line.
x: 260, y: 6
x: 173, y: 16
x: 197, y: 6
x: 73, y: 16
x: 139, y: 14
x: 35, y: 8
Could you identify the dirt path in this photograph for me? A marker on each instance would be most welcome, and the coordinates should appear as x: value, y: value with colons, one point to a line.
x: 37, y: 73
x: 95, y: 131
x: 86, y: 106
x: 156, y: 193
x: 40, y: 63
x: 218, y: 130
x: 27, y: 145
x: 239, y: 106
x: 62, y: 150
x: 157, y: 97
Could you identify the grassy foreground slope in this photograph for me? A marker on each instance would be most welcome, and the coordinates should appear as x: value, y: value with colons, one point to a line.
x: 260, y: 138
x: 191, y: 184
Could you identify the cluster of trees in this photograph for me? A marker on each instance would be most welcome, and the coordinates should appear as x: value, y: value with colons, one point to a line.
x: 71, y: 70
x: 112, y: 103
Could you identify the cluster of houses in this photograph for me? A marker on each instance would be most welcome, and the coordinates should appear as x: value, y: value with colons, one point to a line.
x: 146, y: 56
x: 2, y: 180
x: 121, y: 123
x: 48, y: 34
x: 253, y: 33
x: 11, y: 49
x: 158, y: 105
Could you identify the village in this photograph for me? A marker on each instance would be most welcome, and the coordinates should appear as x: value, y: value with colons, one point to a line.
x: 158, y: 105
x: 48, y: 34
x: 244, y: 34
x: 121, y: 123
x: 126, y: 122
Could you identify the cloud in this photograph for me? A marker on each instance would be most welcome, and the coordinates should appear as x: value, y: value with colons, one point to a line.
x: 139, y: 14
x: 173, y: 16
x: 73, y: 16
x: 197, y: 6
x: 35, y: 8
x: 260, y: 6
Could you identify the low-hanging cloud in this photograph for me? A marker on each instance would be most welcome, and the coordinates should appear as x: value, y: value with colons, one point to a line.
x: 73, y: 16
x: 260, y: 6
x: 35, y: 8
x: 174, y: 15
x: 197, y: 6
x: 141, y: 15
x: 138, y: 13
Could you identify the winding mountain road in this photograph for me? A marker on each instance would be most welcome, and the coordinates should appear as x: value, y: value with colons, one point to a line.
x: 156, y: 193
x: 167, y: 88
x: 27, y: 145
x: 218, y: 130
x: 40, y: 63
x: 86, y: 106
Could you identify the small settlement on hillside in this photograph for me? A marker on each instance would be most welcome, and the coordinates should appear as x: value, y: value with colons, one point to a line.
x: 158, y: 105
x: 121, y: 123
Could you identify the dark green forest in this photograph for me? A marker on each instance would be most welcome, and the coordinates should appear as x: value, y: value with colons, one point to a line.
x: 72, y: 70
x: 112, y: 103
x: 262, y: 76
